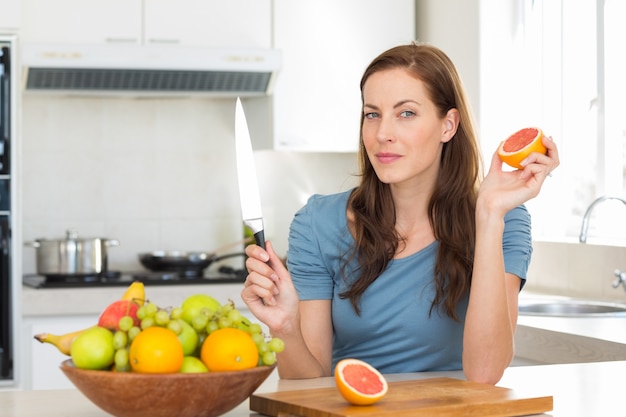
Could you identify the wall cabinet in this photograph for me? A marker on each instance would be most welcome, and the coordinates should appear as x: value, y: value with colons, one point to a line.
x: 207, y: 23
x: 326, y: 45
x: 210, y: 23
x: 10, y: 15
x: 86, y: 21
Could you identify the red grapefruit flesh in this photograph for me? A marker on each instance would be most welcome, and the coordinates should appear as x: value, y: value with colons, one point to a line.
x: 520, y: 144
x: 359, y: 382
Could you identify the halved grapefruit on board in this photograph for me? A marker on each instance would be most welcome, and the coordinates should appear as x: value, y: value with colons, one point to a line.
x: 359, y: 382
x: 521, y: 144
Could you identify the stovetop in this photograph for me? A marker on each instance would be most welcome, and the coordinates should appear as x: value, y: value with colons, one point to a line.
x: 224, y: 275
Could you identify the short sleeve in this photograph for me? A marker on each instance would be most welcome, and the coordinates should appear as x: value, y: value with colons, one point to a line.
x: 517, y: 242
x: 305, y: 259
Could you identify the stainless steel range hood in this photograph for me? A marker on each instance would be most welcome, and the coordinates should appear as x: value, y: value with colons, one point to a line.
x: 137, y: 70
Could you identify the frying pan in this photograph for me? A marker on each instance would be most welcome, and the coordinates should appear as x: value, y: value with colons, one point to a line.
x: 184, y: 263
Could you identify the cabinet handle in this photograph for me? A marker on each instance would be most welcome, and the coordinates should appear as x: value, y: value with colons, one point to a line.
x: 164, y: 41
x: 121, y: 40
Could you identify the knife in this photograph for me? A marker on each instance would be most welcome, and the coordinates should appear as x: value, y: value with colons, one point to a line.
x: 246, y: 174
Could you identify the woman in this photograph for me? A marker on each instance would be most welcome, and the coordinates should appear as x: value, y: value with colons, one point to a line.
x: 419, y: 267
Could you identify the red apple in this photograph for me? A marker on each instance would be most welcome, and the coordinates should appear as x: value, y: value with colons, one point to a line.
x: 111, y: 315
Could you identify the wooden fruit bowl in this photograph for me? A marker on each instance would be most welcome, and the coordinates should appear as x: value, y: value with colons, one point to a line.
x: 127, y: 394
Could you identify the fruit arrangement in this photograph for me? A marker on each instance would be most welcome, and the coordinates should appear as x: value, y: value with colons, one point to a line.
x: 134, y: 334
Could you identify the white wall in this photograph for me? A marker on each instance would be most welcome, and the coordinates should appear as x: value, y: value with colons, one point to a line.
x: 154, y: 174
x: 453, y: 26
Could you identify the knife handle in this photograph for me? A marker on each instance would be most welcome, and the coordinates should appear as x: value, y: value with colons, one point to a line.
x: 259, y: 238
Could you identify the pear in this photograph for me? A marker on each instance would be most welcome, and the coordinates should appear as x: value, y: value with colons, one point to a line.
x: 93, y: 349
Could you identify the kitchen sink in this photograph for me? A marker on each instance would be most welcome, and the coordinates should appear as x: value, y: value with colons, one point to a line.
x: 571, y: 308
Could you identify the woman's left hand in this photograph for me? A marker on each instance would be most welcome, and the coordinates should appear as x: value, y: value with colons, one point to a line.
x: 505, y: 190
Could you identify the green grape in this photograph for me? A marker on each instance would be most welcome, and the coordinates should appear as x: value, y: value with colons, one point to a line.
x: 268, y: 358
x: 175, y: 326
x: 125, y: 323
x: 142, y: 312
x: 122, y: 363
x: 151, y: 309
x: 120, y: 339
x: 276, y: 345
x: 207, y: 312
x: 176, y: 313
x: 201, y: 338
x: 235, y: 316
x: 199, y: 322
x: 263, y: 347
x: 133, y: 332
x: 244, y: 324
x: 255, y: 328
x: 226, y: 308
x: 147, y: 322
x: 212, y: 326
x: 258, y: 338
x: 161, y: 318
x: 224, y: 322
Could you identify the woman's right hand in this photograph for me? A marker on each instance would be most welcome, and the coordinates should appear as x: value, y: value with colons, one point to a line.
x: 268, y: 290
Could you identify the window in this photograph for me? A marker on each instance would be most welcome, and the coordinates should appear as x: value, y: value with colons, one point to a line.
x: 570, y: 74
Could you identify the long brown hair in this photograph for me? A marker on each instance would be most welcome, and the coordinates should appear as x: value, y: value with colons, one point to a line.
x: 453, y: 202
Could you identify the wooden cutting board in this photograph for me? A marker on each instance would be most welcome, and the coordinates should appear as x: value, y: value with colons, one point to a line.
x: 432, y: 397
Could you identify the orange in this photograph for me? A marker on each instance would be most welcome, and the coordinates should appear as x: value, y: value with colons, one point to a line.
x: 359, y: 382
x: 229, y: 349
x: 520, y: 144
x: 156, y: 350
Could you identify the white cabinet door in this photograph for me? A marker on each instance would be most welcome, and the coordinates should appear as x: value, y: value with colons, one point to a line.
x: 209, y: 23
x: 40, y: 361
x: 9, y: 14
x: 82, y: 21
x: 326, y: 45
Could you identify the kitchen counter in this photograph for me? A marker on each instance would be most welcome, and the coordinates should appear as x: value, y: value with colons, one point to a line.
x: 558, y: 340
x: 611, y: 328
x: 579, y: 390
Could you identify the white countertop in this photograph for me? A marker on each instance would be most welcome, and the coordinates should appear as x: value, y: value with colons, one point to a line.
x: 579, y: 390
x: 92, y: 300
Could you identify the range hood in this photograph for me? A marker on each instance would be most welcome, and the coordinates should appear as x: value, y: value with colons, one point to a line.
x: 141, y: 70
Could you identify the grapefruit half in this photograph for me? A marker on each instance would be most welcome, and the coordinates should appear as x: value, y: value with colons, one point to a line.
x: 359, y: 382
x: 521, y: 144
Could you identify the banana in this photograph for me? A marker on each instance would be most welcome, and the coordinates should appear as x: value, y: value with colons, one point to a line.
x: 62, y: 342
x: 135, y: 292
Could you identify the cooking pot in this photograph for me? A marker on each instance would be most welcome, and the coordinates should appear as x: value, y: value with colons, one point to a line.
x: 191, y: 264
x: 72, y: 256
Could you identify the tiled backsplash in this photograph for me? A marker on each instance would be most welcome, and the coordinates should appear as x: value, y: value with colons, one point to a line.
x: 160, y: 174
x: 153, y: 174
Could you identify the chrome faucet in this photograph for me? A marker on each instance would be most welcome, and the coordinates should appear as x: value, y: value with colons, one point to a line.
x: 620, y: 280
x: 585, y: 225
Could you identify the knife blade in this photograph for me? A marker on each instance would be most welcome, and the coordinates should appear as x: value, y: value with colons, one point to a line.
x: 246, y: 175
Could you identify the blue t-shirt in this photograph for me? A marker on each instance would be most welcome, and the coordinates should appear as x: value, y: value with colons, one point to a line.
x: 394, y: 331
